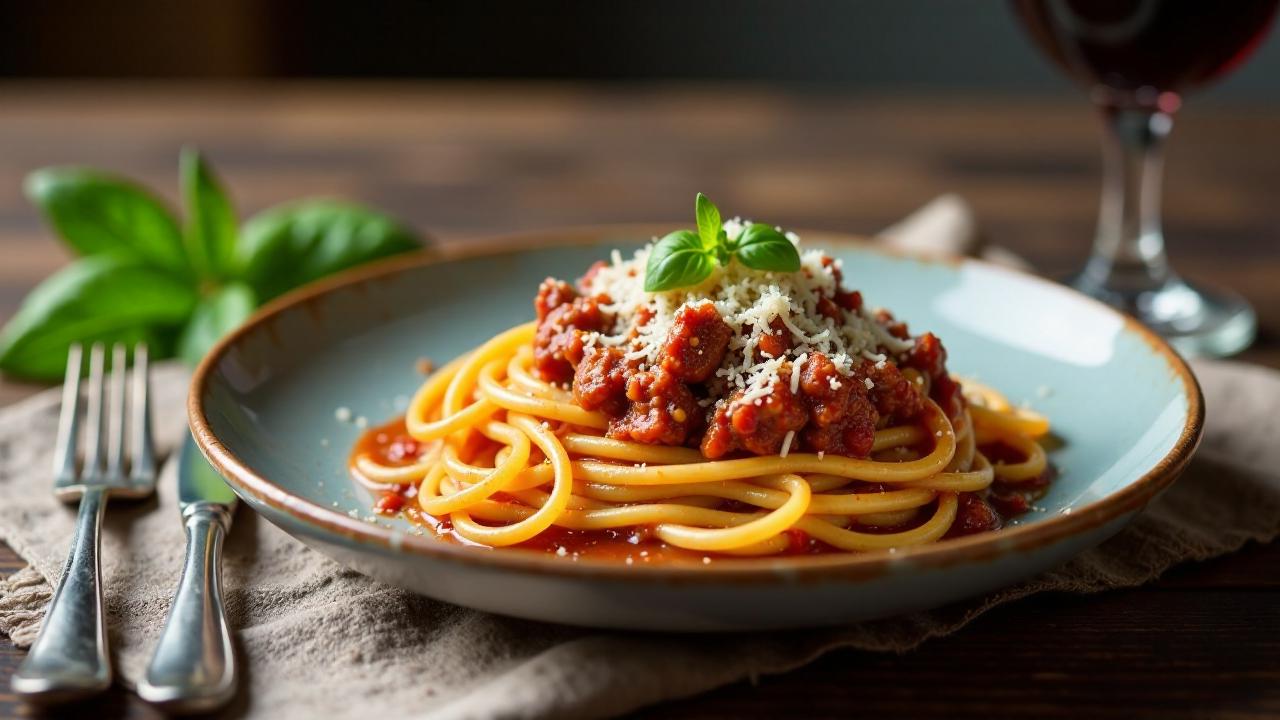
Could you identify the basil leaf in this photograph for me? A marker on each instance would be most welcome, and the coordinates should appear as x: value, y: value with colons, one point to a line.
x: 677, y: 260
x: 763, y: 248
x: 97, y: 299
x: 294, y: 244
x: 709, y: 226
x: 98, y: 214
x: 210, y: 232
x: 214, y: 317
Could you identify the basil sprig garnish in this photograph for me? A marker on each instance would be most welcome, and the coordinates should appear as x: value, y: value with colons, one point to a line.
x: 685, y: 258
x: 142, y: 275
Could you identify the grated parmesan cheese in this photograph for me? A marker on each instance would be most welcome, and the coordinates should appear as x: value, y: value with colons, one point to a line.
x: 748, y: 301
x: 795, y: 372
x: 786, y: 442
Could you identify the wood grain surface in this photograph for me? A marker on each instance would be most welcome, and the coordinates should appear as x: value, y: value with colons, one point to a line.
x: 460, y: 161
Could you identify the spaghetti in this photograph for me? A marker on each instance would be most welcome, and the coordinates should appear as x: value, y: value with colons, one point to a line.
x: 512, y: 443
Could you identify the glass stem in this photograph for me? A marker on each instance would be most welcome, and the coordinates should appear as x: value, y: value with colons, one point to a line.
x: 1128, y: 259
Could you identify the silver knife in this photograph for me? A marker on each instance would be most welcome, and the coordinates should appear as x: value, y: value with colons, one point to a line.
x: 194, y: 666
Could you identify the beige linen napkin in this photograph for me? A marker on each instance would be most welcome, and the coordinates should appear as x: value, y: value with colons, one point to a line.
x: 321, y: 641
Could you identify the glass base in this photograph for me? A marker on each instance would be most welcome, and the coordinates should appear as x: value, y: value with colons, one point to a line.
x: 1197, y: 321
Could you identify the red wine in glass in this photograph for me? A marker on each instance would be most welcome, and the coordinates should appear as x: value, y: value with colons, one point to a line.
x: 1136, y: 58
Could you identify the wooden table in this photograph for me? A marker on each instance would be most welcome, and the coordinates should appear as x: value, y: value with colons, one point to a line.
x: 461, y: 161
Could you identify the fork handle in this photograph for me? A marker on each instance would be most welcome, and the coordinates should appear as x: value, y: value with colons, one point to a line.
x: 194, y: 668
x: 69, y: 658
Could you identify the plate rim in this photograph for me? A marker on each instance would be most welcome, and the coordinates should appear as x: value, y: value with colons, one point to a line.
x: 862, y: 566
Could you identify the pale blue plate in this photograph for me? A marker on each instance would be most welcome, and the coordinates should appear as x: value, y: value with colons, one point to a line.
x: 1125, y: 406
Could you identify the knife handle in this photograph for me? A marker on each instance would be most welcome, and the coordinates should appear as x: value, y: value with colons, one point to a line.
x: 194, y: 665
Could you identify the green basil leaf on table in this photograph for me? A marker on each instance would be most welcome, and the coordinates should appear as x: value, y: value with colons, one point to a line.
x: 210, y: 232
x: 293, y: 244
x: 216, y: 315
x: 709, y: 224
x: 96, y: 213
x: 764, y: 248
x: 105, y: 298
x: 677, y: 260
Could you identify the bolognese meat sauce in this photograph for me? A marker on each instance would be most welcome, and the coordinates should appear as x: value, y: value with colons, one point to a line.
x: 563, y: 316
x: 679, y: 400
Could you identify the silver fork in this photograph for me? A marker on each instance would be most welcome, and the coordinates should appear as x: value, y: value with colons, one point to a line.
x: 69, y: 659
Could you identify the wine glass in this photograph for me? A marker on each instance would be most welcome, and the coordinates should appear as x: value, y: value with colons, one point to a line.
x: 1136, y: 58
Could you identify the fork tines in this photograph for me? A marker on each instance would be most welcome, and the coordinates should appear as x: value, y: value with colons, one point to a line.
x: 110, y: 418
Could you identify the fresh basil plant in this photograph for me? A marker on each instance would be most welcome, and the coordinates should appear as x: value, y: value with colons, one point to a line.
x: 142, y: 275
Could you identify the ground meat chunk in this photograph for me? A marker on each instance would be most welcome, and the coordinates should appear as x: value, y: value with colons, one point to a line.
x: 551, y: 352
x: 974, y: 515
x: 828, y: 308
x: 774, y: 343
x: 851, y: 301
x: 600, y: 380
x: 557, y: 345
x: 584, y: 282
x: 893, y: 395
x: 853, y: 435
x: 758, y: 429
x: 841, y: 419
x: 697, y: 342
x: 825, y: 388
x: 930, y: 358
x: 895, y: 328
x: 662, y: 410
x: 552, y: 294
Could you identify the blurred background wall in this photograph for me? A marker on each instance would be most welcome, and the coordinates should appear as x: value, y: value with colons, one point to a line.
x: 859, y: 45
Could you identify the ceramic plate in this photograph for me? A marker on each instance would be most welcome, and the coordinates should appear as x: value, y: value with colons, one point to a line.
x: 262, y: 405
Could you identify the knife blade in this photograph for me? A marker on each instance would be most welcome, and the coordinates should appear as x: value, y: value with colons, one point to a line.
x: 193, y: 668
x: 198, y: 482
